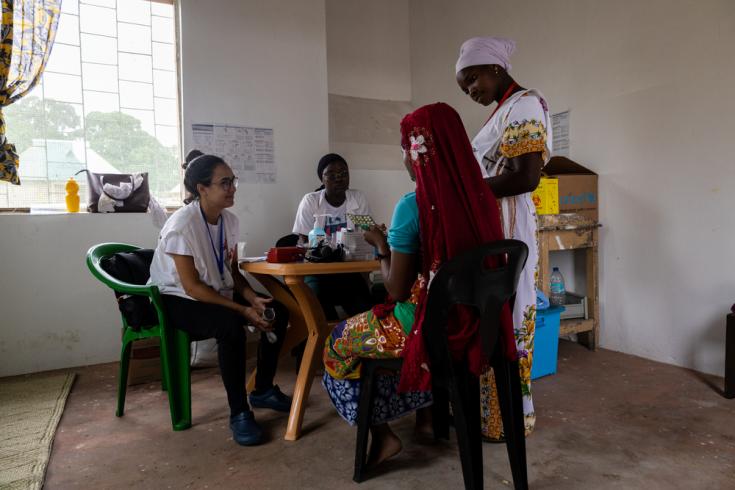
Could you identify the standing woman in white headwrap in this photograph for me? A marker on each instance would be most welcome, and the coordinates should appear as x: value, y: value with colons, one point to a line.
x: 511, y: 148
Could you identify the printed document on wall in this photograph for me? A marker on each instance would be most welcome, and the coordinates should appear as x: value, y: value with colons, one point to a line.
x: 249, y: 151
x: 560, y: 131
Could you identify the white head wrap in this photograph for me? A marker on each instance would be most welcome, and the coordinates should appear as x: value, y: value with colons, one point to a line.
x: 485, y: 51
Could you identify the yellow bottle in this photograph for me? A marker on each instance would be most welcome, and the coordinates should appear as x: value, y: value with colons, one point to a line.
x: 72, y: 195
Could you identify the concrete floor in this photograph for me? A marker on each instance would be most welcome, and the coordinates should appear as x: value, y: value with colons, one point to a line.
x: 605, y: 421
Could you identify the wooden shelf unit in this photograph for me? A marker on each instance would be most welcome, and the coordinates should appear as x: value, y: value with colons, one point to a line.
x: 572, y: 232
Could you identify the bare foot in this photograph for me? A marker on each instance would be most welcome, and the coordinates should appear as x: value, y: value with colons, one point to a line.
x: 384, y: 446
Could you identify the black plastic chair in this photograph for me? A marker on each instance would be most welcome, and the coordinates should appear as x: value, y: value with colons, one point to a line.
x: 464, y: 280
x: 369, y: 369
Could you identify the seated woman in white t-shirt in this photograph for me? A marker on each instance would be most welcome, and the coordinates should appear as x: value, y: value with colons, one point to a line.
x: 336, y: 200
x: 195, y: 268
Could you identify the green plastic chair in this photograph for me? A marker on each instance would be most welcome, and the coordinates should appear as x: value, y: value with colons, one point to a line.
x: 175, y: 371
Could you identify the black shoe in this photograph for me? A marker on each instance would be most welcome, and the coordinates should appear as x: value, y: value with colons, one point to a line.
x: 272, y: 398
x: 245, y: 430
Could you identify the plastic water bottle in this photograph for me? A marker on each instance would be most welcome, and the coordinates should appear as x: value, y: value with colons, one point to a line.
x: 558, y: 291
x: 317, y: 235
x: 72, y: 195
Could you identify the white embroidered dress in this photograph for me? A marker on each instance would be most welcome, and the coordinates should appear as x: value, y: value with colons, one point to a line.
x: 521, y: 125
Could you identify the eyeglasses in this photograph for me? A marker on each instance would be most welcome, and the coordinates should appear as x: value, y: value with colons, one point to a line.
x: 227, y: 184
x: 336, y: 175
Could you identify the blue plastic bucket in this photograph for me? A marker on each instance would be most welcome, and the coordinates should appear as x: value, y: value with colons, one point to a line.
x: 546, y: 342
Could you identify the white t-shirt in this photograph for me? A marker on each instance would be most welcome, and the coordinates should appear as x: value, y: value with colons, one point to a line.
x: 187, y: 233
x: 316, y: 203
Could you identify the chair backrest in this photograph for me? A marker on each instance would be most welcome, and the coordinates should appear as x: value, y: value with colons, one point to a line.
x: 126, y: 269
x: 98, y: 252
x: 467, y: 279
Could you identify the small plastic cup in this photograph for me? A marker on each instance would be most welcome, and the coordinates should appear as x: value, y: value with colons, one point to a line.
x: 241, y: 248
x: 269, y: 315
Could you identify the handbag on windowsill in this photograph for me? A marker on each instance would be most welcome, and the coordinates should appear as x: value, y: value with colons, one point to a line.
x: 117, y: 193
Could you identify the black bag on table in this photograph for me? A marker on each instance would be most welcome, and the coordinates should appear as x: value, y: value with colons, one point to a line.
x: 323, y: 253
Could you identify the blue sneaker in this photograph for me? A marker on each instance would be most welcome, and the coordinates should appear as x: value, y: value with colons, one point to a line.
x: 273, y: 399
x: 245, y: 430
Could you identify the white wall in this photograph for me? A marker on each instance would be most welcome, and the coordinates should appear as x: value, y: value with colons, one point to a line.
x: 368, y: 49
x: 244, y: 62
x: 648, y: 86
x: 260, y: 64
x: 54, y: 313
x: 369, y: 73
x: 382, y: 188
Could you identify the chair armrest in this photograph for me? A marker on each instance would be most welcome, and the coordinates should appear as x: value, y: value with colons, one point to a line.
x: 136, y: 289
x: 123, y: 287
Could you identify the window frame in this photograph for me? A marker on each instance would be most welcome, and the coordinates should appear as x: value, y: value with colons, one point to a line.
x: 180, y: 122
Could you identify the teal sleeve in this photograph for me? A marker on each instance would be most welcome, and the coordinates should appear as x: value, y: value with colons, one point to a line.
x: 403, y: 235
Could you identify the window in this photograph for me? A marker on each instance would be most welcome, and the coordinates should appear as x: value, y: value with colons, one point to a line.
x: 107, y: 102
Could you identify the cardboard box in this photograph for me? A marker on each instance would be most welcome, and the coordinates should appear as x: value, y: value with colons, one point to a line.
x: 145, y: 359
x: 145, y: 362
x: 577, y: 187
x: 355, y: 246
x: 546, y: 196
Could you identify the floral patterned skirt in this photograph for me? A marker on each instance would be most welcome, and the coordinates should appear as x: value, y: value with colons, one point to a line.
x: 524, y: 328
x: 388, y: 404
x: 373, y: 336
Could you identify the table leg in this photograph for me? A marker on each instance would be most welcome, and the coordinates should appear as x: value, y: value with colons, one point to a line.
x: 542, y: 281
x: 730, y: 357
x: 591, y: 339
x: 317, y: 332
x: 297, y: 331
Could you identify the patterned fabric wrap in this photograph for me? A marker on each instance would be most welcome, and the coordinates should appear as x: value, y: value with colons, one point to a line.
x: 26, y: 37
x: 521, y: 125
x: 369, y: 335
x: 374, y: 336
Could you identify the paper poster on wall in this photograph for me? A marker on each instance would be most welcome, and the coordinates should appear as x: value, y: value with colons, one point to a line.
x: 249, y: 151
x: 560, y: 130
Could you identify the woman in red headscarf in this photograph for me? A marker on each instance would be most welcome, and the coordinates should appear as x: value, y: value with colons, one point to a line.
x: 451, y: 211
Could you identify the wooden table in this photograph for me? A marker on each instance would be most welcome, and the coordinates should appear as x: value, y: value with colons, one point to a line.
x: 570, y: 232
x: 306, y: 318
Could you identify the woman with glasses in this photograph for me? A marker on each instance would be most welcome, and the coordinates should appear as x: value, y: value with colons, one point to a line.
x: 335, y: 200
x: 195, y: 268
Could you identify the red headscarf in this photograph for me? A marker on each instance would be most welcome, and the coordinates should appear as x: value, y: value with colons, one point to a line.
x: 457, y: 212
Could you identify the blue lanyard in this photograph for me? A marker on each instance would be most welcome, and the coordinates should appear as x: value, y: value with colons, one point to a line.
x: 221, y: 257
